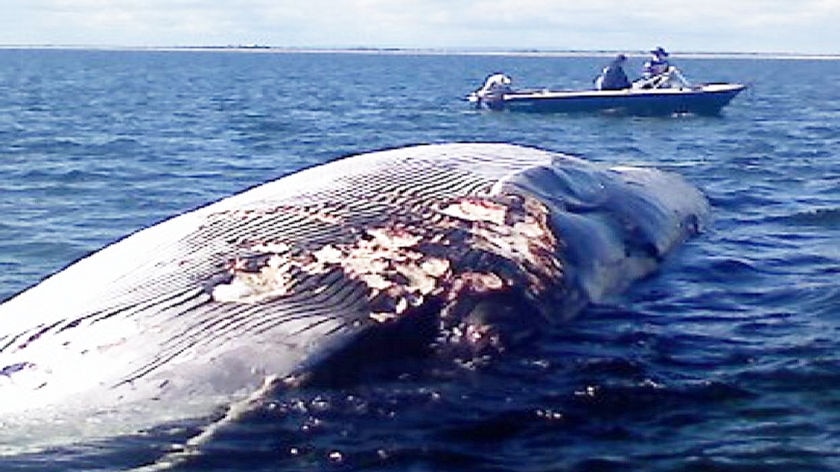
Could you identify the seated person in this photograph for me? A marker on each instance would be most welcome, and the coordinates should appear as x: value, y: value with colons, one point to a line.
x: 613, y: 76
x: 656, y: 71
x: 657, y: 64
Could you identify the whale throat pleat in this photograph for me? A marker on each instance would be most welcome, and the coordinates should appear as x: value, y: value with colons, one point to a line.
x: 270, y: 281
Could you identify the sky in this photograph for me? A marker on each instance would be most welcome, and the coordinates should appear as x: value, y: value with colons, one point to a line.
x: 766, y: 26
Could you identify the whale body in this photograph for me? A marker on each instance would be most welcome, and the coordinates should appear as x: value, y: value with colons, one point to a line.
x: 195, y: 313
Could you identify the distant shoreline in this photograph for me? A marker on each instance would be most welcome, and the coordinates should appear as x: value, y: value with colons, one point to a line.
x: 427, y: 51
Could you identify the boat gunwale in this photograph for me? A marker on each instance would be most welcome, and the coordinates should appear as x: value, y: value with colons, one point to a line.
x: 701, y: 89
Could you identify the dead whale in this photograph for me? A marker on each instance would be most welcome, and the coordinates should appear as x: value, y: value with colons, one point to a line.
x: 195, y: 313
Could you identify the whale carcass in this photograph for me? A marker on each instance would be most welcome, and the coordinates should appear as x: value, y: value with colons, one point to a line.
x: 194, y: 313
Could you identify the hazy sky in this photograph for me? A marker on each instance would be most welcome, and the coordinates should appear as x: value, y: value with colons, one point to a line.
x: 801, y: 26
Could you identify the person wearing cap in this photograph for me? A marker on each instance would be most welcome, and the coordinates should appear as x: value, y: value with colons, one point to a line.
x: 613, y: 76
x: 657, y: 64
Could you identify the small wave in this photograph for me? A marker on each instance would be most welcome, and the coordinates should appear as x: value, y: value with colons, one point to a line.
x: 653, y: 398
x: 746, y: 199
x: 60, y: 174
x: 815, y: 298
x: 814, y: 377
x: 119, y: 145
x: 819, y: 217
x: 51, y: 145
x: 730, y: 271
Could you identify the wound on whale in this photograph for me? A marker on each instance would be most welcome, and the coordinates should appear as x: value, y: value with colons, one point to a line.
x: 193, y: 314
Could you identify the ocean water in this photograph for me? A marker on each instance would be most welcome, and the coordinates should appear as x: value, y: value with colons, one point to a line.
x: 727, y: 359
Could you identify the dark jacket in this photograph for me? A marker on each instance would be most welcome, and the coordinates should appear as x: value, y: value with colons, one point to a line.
x: 613, y: 78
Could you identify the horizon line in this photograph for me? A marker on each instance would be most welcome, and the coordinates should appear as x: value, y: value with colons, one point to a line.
x: 424, y: 50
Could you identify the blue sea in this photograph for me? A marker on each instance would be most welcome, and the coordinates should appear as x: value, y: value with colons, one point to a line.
x: 727, y: 359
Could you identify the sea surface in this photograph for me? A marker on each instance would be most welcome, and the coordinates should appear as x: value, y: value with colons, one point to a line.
x: 727, y: 359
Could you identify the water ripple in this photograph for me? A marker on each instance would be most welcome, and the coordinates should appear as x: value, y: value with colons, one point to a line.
x: 724, y: 360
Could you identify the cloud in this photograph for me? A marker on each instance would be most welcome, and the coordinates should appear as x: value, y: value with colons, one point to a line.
x: 719, y: 25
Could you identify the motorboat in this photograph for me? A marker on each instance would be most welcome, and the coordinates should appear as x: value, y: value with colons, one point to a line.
x: 667, y: 94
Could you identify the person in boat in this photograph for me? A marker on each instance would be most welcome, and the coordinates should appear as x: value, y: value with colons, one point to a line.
x: 659, y: 73
x: 656, y: 70
x: 657, y: 64
x: 496, y: 84
x: 613, y: 76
